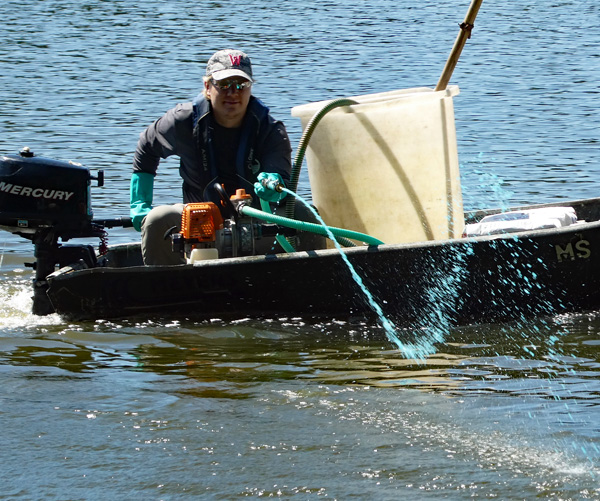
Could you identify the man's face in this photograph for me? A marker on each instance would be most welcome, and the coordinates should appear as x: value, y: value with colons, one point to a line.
x: 229, y: 98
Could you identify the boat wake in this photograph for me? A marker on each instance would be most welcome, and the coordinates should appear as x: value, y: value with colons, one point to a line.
x: 15, y: 314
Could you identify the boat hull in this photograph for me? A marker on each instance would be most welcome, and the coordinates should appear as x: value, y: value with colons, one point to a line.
x: 468, y: 280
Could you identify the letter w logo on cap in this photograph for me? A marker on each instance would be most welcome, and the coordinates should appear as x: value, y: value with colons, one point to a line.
x: 235, y: 60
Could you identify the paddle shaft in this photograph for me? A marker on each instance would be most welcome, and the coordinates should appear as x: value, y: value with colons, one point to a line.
x: 463, y: 35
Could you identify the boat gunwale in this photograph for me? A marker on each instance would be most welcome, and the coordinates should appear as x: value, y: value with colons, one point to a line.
x: 334, y: 253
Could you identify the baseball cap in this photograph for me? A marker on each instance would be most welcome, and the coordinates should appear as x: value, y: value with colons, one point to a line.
x: 229, y: 63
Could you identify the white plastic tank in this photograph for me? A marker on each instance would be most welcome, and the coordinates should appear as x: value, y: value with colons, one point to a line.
x: 388, y: 166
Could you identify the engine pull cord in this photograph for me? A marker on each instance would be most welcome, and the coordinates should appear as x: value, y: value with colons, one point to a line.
x: 103, y: 247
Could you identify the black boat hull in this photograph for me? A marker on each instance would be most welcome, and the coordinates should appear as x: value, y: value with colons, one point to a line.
x: 469, y: 280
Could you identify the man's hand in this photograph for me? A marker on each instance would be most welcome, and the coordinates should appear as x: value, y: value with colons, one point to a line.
x: 268, y: 187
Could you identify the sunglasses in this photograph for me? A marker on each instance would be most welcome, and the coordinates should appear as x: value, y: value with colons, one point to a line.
x: 226, y: 85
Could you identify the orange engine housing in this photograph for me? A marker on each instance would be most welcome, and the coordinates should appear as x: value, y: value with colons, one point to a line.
x: 200, y: 221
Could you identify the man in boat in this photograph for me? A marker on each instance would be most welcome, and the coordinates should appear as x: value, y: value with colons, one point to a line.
x: 225, y: 136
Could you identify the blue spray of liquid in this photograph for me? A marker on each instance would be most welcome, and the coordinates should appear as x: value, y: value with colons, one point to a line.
x: 410, y: 350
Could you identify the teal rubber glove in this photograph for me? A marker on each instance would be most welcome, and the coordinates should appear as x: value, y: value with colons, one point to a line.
x: 266, y: 187
x: 141, y: 189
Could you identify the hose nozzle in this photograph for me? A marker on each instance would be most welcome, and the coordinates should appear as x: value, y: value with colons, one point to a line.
x: 272, y: 184
x: 270, y: 187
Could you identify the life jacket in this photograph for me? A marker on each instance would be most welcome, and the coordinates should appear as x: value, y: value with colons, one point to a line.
x: 246, y: 165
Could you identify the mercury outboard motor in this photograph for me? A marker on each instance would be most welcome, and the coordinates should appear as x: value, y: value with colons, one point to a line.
x: 45, y: 200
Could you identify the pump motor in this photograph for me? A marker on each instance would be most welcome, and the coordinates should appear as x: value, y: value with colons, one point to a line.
x: 205, y: 234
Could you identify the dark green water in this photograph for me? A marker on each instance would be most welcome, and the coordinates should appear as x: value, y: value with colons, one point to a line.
x: 293, y: 407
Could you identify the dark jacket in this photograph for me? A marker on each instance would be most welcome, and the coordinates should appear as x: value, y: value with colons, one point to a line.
x: 186, y: 131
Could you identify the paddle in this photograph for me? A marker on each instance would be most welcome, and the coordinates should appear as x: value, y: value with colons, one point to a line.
x: 463, y: 35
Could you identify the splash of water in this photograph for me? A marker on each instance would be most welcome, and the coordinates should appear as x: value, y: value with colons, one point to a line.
x: 479, y: 176
x: 16, y: 312
x: 410, y: 350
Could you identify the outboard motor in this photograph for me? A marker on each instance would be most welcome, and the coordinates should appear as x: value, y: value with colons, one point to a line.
x: 45, y: 200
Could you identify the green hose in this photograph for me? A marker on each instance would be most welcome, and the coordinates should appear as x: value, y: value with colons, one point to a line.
x: 285, y: 245
x: 342, y: 236
x: 304, y: 226
x: 303, y: 145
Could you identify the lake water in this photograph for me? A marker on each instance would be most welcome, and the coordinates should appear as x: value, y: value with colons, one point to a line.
x: 294, y: 407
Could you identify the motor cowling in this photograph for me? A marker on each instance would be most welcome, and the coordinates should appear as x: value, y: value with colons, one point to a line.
x: 205, y: 234
x: 38, y: 194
